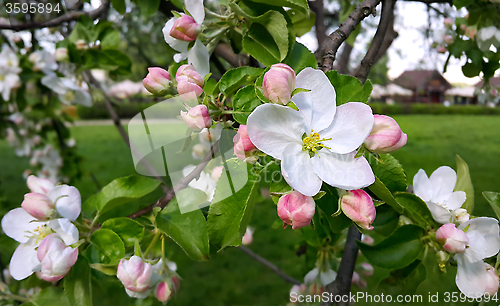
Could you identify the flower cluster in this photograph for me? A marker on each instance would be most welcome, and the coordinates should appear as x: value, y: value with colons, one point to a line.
x: 43, y: 227
x: 9, y: 72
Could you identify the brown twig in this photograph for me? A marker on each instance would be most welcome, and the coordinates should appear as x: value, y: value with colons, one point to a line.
x: 271, y: 266
x: 371, y: 54
x: 225, y: 51
x: 183, y: 183
x: 341, y: 286
x: 327, y: 52
x: 318, y: 8
x: 71, y: 16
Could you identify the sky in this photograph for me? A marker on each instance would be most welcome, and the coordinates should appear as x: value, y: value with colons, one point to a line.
x: 410, y: 50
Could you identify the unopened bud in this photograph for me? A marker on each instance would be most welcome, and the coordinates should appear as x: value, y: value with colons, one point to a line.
x: 279, y: 83
x: 491, y: 281
x: 135, y: 274
x: 38, y: 205
x: 448, y: 39
x: 56, y: 258
x: 296, y: 209
x: 455, y: 240
x: 460, y: 215
x: 243, y: 147
x: 62, y: 55
x: 248, y: 237
x: 367, y: 269
x: 386, y: 135
x: 157, y: 81
x: 81, y: 45
x: 199, y: 151
x: 163, y: 292
x: 358, y: 206
x: 441, y: 49
x: 448, y: 23
x: 185, y: 28
x: 197, y: 117
x: 188, y: 80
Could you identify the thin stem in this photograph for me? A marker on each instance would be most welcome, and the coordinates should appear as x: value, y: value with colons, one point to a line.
x: 153, y: 243
x: 7, y: 296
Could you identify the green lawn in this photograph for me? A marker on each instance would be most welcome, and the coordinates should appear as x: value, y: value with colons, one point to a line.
x: 231, y: 277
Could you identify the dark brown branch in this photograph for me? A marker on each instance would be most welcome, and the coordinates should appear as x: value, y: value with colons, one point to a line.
x: 343, y: 62
x: 378, y: 39
x: 183, y: 183
x: 226, y: 52
x: 341, y: 286
x: 271, y: 266
x: 318, y: 8
x: 327, y: 52
x: 71, y: 16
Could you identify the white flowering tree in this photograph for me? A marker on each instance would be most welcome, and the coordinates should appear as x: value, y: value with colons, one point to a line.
x: 250, y: 89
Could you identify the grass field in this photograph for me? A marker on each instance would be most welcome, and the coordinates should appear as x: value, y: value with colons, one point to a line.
x: 231, y: 277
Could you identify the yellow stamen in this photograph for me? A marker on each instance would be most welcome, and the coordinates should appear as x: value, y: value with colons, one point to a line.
x: 69, y: 96
x: 312, y: 143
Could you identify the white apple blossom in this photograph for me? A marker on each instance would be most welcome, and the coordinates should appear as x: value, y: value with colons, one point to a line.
x: 44, y: 61
x: 437, y: 192
x: 484, y: 241
x: 198, y: 55
x: 29, y: 232
x: 318, y: 142
x: 326, y: 277
x: 69, y: 92
x: 204, y: 183
x: 9, y: 72
x: 488, y: 36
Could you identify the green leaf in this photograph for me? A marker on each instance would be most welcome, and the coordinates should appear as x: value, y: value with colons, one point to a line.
x: 129, y: 230
x: 121, y: 60
x: 93, y: 58
x: 300, y: 58
x: 302, y: 22
x: 148, y: 7
x: 279, y: 187
x: 120, y: 191
x: 404, y: 281
x: 297, y: 4
x: 231, y: 208
x: 233, y: 79
x: 50, y: 296
x: 416, y: 209
x: 494, y: 199
x: 471, y: 70
x: 78, y: 285
x: 188, y: 230
x: 386, y: 220
x: 109, y: 244
x: 245, y: 101
x: 111, y: 40
x: 329, y: 204
x: 381, y: 191
x: 349, y: 88
x: 390, y: 172
x: 398, y: 250
x: 464, y: 183
x: 119, y: 6
x: 191, y: 199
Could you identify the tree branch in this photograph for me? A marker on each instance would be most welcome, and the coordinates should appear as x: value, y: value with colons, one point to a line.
x: 71, y: 16
x: 343, y: 62
x: 328, y: 50
x: 341, y: 286
x: 271, y: 266
x: 226, y: 52
x: 318, y: 8
x: 369, y: 59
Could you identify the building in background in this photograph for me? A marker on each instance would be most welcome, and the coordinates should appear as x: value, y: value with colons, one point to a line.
x: 428, y: 86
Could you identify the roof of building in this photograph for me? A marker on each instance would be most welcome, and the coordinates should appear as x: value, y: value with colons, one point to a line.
x: 495, y: 81
x: 422, y: 80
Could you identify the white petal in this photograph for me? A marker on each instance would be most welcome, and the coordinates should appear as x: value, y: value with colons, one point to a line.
x: 439, y: 213
x: 180, y: 56
x: 443, y: 180
x: 421, y: 186
x: 68, y: 201
x: 327, y: 277
x: 172, y: 265
x: 138, y: 295
x: 272, y: 127
x: 351, y: 125
x: 456, y: 200
x: 83, y: 98
x: 17, y: 222
x: 176, y: 44
x: 343, y: 170
x: 487, y: 33
x: 299, y: 169
x: 65, y: 229
x: 311, y: 276
x: 318, y: 105
x: 200, y: 59
x: 471, y: 277
x: 23, y: 262
x: 54, y: 83
x: 489, y: 229
x: 196, y: 9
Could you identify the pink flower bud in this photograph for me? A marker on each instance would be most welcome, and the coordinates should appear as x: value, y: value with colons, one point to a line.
x: 62, y: 55
x: 199, y: 151
x: 188, y: 80
x: 470, y: 32
x: 163, y: 292
x: 441, y: 49
x: 448, y: 23
x: 448, y: 39
x: 216, y: 173
x: 358, y: 206
x: 367, y: 269
x: 157, y: 81
x: 185, y: 28
x: 455, y: 240
x: 386, y: 135
x: 279, y: 83
x: 38, y: 205
x: 491, y: 281
x: 176, y: 283
x: 367, y: 240
x: 197, y: 117
x: 494, y: 92
x: 81, y: 44
x: 39, y: 185
x: 355, y: 278
x: 296, y: 209
x: 55, y: 257
x: 248, y: 237
x: 243, y: 146
x: 135, y: 274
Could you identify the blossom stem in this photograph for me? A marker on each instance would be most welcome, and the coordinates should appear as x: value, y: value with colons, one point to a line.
x: 153, y: 243
x: 15, y: 297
